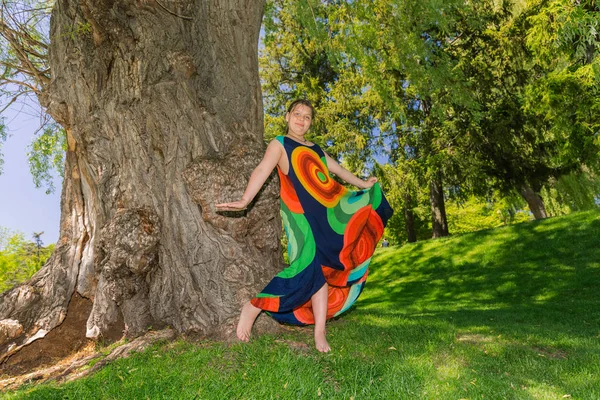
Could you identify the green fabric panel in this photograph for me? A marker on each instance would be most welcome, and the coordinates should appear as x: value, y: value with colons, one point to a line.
x: 301, y: 243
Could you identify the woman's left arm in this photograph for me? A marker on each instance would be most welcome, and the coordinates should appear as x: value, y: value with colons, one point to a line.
x: 348, y: 176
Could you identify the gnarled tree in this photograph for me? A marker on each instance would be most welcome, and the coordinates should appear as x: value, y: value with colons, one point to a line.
x: 162, y: 109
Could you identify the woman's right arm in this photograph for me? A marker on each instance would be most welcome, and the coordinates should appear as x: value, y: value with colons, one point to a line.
x: 257, y: 179
x: 348, y: 176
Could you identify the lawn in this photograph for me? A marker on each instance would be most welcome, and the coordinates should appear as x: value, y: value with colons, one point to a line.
x: 509, y: 313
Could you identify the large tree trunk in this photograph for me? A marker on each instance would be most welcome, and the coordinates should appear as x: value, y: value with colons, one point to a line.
x: 438, y: 208
x: 163, y: 114
x: 534, y: 200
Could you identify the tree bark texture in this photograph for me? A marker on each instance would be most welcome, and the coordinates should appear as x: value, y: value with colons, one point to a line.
x: 534, y: 200
x: 409, y: 217
x: 438, y: 208
x: 162, y: 107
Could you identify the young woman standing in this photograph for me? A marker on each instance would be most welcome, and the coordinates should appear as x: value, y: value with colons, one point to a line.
x: 332, y: 231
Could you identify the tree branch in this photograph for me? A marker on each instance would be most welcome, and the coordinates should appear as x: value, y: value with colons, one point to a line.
x: 16, y: 67
x: 13, y: 100
x: 23, y: 32
x: 21, y: 83
x: 9, y: 34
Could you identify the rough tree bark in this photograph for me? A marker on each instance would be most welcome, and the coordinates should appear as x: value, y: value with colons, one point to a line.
x: 534, y: 200
x: 163, y: 112
x: 438, y: 208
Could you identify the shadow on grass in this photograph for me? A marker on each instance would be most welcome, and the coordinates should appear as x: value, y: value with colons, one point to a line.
x: 534, y: 285
x: 535, y: 263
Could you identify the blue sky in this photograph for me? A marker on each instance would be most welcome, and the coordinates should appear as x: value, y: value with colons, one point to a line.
x: 24, y: 208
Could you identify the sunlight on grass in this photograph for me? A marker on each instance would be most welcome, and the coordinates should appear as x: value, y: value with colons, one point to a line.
x: 511, y: 313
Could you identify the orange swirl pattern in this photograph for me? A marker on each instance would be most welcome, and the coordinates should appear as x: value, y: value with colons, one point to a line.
x: 353, y: 220
x: 335, y: 277
x: 266, y: 303
x: 363, y: 231
x: 335, y: 301
x: 339, y: 278
x: 314, y: 177
x: 288, y: 193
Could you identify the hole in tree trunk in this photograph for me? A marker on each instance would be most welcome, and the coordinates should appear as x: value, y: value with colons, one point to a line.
x: 65, y: 339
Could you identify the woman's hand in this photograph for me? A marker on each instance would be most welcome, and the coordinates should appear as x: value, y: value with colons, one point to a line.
x: 239, y: 205
x: 260, y: 174
x: 367, y: 184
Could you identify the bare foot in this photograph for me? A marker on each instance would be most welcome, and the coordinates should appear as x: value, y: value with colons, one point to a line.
x: 247, y: 318
x: 321, y: 342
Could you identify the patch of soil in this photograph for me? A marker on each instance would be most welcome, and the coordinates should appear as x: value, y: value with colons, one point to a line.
x: 298, y: 346
x: 473, y: 338
x: 78, y: 366
x: 551, y: 353
x: 60, y: 342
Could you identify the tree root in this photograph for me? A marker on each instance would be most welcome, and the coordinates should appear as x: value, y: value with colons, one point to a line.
x: 76, y: 366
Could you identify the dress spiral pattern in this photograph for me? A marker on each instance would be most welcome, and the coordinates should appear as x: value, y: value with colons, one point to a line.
x: 332, y: 233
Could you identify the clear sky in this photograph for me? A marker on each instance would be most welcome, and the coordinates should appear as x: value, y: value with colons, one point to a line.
x: 24, y: 208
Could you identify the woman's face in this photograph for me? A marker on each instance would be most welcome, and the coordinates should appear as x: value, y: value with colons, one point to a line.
x: 299, y: 119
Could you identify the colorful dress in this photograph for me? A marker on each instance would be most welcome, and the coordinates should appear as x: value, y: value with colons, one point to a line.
x: 332, y: 233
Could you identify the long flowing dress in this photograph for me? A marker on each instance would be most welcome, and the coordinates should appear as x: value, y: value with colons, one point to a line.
x: 332, y: 233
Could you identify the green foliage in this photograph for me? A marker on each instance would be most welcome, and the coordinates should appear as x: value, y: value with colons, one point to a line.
x: 474, y: 214
x: 569, y: 28
x: 565, y: 37
x: 19, y: 258
x: 363, y: 67
x: 284, y: 247
x: 79, y: 29
x: 24, y: 39
x: 530, y: 120
x: 302, y: 58
x: 25, y: 74
x: 404, y: 193
x: 510, y: 313
x: 578, y: 191
x: 46, y: 155
x: 471, y: 92
x: 5, y: 235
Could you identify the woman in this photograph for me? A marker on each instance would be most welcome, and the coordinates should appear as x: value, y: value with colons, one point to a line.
x: 332, y: 232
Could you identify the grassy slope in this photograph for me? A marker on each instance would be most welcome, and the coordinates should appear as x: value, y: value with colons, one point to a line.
x: 510, y: 313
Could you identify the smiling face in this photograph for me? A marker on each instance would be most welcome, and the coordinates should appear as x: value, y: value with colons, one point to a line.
x: 299, y: 120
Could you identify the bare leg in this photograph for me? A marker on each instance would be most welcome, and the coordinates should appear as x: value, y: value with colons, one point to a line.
x: 247, y: 318
x: 319, y: 305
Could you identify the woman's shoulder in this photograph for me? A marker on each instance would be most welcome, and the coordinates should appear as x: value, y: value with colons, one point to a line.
x: 276, y: 143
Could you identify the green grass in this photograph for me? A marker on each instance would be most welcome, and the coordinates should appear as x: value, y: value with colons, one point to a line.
x: 509, y: 313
